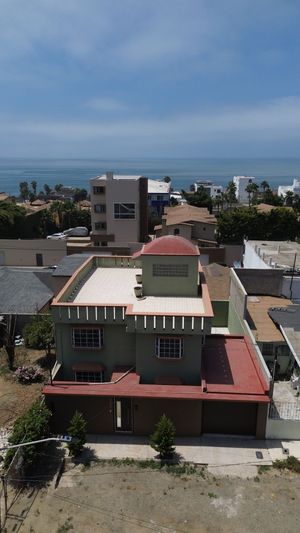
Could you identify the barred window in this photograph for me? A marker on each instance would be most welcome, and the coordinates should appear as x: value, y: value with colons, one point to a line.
x: 100, y: 208
x: 180, y: 271
x: 124, y: 211
x: 169, y: 347
x: 87, y: 337
x: 99, y: 190
x: 89, y: 377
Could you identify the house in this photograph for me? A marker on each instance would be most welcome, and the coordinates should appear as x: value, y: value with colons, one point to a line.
x: 281, y: 259
x: 210, y: 188
x: 241, y: 183
x: 193, y: 223
x: 31, y: 252
x: 158, y: 196
x: 133, y: 341
x: 119, y: 209
x: 294, y: 188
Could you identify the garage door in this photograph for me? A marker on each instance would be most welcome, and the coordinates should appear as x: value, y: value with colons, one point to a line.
x: 231, y: 418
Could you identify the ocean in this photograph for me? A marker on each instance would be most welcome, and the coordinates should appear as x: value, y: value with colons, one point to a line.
x: 184, y: 172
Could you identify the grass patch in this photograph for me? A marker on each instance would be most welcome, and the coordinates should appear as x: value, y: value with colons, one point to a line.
x: 152, y: 464
x: 212, y: 495
x: 263, y: 468
x: 290, y: 463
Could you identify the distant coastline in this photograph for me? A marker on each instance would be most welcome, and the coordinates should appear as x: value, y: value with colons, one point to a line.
x: 77, y: 172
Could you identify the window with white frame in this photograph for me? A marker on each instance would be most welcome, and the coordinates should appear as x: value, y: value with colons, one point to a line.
x: 87, y: 337
x: 169, y: 347
x: 123, y: 211
x: 180, y: 271
x: 89, y: 377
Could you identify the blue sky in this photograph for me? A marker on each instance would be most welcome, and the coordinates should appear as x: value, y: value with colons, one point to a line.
x: 159, y: 78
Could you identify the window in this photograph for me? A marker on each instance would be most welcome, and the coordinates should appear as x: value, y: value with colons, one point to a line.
x: 98, y: 190
x: 169, y: 347
x: 100, y: 225
x: 181, y: 271
x: 267, y: 348
x: 124, y: 211
x: 87, y: 337
x: 176, y: 231
x: 100, y: 208
x: 90, y: 377
x: 39, y: 260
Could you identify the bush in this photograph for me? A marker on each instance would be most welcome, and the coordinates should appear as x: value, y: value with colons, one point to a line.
x: 28, y: 374
x: 33, y: 425
x: 39, y: 334
x: 77, y: 430
x: 162, y: 440
x: 290, y: 463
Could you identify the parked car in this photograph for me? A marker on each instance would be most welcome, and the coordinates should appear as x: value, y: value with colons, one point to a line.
x: 19, y: 341
x: 79, y: 231
x: 57, y: 236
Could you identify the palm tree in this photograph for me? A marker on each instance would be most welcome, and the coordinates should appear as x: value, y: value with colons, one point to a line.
x: 264, y: 185
x: 251, y: 189
x: 289, y: 198
x: 34, y: 186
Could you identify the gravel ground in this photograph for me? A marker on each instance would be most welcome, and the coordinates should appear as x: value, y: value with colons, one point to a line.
x: 125, y: 498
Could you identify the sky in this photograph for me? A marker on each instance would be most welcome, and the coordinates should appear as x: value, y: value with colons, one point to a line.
x: 140, y: 78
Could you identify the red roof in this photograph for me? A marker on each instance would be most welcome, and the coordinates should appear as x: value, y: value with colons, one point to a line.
x: 169, y: 245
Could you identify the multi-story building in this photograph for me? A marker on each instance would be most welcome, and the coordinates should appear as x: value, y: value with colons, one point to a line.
x: 133, y: 342
x: 210, y: 188
x: 119, y: 209
x: 294, y: 188
x: 158, y: 196
x: 241, y: 182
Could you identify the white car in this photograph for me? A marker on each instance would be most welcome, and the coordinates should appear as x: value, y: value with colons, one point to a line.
x: 57, y: 236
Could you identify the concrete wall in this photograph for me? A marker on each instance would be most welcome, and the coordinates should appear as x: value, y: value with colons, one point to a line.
x: 123, y: 191
x: 184, y: 230
x: 283, y: 429
x: 220, y: 309
x: 202, y: 230
x: 17, y: 252
x: 170, y: 285
x: 257, y: 281
x: 237, y: 304
x: 252, y: 259
x: 149, y: 366
x: 291, y: 287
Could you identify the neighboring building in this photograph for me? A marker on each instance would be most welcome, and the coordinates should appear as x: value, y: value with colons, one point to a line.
x: 241, y: 182
x: 31, y: 252
x: 24, y: 293
x: 133, y: 342
x: 210, y: 188
x: 283, y: 256
x: 294, y: 188
x: 66, y: 192
x: 193, y: 223
x: 4, y: 196
x: 176, y: 196
x: 119, y: 209
x: 158, y: 196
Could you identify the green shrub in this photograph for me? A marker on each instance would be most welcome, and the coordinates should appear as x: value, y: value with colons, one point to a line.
x: 162, y: 440
x: 77, y: 430
x: 290, y: 463
x: 33, y: 425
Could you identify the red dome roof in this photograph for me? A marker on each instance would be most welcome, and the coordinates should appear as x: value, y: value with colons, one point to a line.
x: 169, y: 245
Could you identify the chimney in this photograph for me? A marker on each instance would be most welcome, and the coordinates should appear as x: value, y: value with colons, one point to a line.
x: 109, y: 175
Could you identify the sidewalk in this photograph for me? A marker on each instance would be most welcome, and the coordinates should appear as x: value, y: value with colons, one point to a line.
x: 214, y: 451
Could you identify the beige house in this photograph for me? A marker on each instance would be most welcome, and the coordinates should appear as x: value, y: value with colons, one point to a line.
x: 193, y: 223
x: 31, y: 252
x: 119, y: 209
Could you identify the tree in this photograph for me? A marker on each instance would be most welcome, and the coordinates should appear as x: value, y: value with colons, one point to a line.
x: 58, y: 186
x: 80, y: 194
x: 34, y: 186
x: 231, y: 193
x: 167, y: 179
x: 7, y: 337
x: 264, y: 185
x: 163, y: 438
x: 173, y: 201
x: 251, y: 189
x: 47, y: 189
x: 289, y: 198
x: 33, y: 425
x: 77, y: 430
x: 12, y: 220
x: 24, y: 190
x: 199, y: 199
x: 39, y: 334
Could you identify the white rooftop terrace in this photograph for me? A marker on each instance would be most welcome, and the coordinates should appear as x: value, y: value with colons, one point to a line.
x: 117, y: 177
x: 158, y: 187
x: 115, y: 286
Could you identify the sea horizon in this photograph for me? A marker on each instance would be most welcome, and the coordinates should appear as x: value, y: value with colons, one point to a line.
x: 184, y: 171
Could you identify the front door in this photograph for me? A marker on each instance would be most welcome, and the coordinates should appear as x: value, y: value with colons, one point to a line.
x: 123, y: 414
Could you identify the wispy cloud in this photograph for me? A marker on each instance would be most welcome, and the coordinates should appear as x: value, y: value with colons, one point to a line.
x: 273, y: 121
x: 106, y: 104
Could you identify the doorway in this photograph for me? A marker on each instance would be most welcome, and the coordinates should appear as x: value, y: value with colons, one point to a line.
x: 123, y: 415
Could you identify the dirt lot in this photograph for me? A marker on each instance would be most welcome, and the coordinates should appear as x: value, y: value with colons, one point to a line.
x: 16, y: 398
x: 126, y: 498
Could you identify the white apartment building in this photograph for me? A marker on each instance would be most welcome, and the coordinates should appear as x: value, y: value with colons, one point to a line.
x: 158, y: 196
x: 294, y: 188
x: 118, y: 209
x: 241, y: 182
x: 211, y: 189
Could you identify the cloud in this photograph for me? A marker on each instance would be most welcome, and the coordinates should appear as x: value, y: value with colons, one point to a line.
x: 274, y: 121
x: 106, y: 104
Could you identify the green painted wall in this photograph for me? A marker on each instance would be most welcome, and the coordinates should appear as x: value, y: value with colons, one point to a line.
x: 170, y: 285
x: 149, y: 366
x: 118, y: 349
x: 235, y: 324
x: 220, y: 309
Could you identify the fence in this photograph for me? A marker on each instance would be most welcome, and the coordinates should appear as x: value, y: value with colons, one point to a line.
x: 285, y: 411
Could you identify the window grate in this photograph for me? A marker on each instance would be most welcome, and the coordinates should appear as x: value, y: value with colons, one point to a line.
x: 180, y: 271
x: 87, y: 337
x: 169, y: 347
